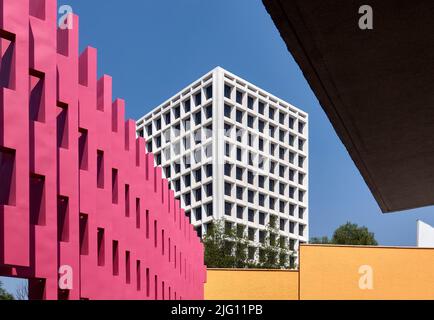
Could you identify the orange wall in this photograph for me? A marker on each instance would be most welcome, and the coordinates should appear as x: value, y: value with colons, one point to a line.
x: 242, y: 284
x: 332, y: 272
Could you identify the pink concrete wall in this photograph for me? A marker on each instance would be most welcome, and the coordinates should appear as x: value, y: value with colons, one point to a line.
x: 77, y: 188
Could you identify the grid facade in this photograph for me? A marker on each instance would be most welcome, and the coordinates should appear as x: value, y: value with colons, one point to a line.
x: 232, y: 151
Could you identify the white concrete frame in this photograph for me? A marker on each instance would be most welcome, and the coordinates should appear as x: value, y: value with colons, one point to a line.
x: 206, y: 144
x: 425, y: 235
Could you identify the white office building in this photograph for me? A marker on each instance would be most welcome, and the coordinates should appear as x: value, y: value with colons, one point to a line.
x: 233, y: 151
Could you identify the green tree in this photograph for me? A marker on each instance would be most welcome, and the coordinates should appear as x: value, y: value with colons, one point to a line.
x: 227, y: 247
x: 352, y: 234
x: 223, y: 248
x: 348, y: 234
x: 4, y: 295
x: 320, y: 240
x: 274, y: 252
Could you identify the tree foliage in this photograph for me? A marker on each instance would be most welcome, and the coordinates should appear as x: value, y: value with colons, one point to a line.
x: 352, y: 234
x: 228, y: 247
x: 349, y: 234
x: 4, y: 295
x: 219, y: 243
x: 320, y: 240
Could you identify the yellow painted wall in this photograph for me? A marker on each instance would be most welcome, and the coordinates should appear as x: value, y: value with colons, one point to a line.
x: 332, y: 272
x: 242, y: 284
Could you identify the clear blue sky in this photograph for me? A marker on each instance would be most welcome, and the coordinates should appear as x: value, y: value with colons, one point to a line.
x: 153, y: 49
